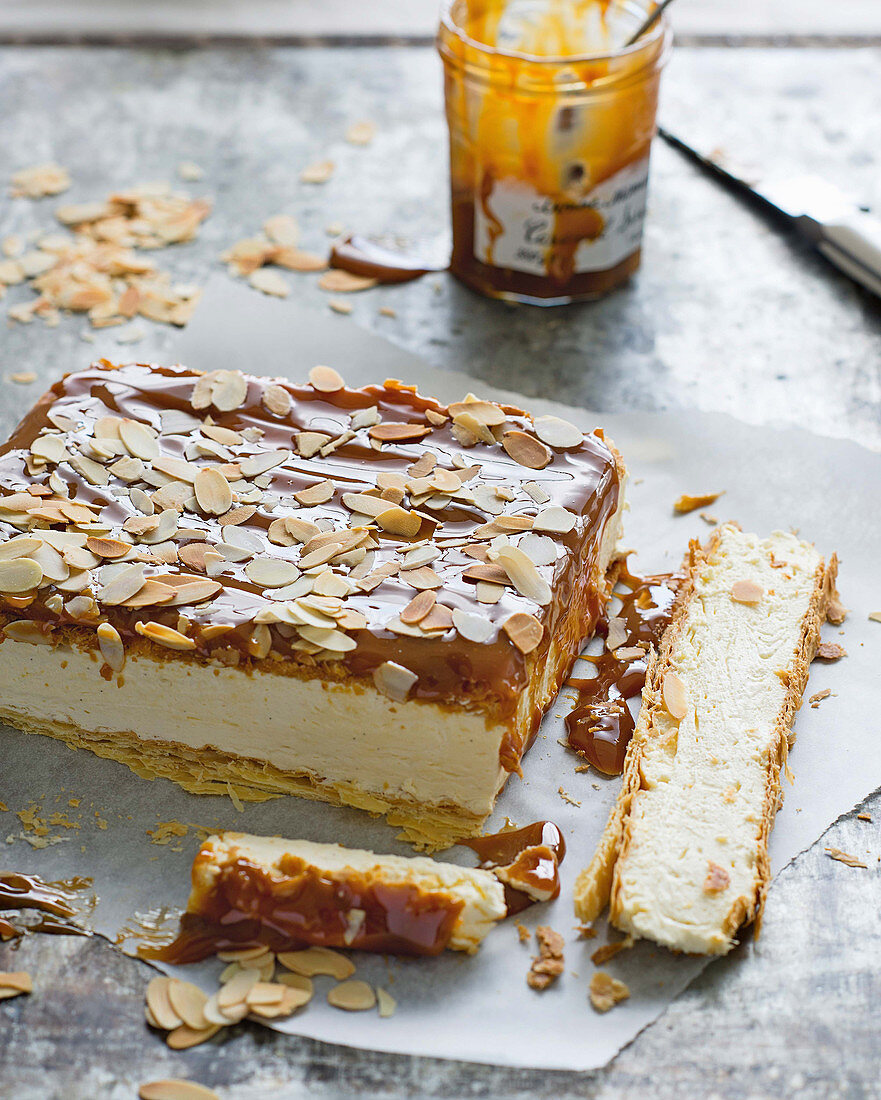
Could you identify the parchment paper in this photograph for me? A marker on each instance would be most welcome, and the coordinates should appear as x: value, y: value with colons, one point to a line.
x: 480, y: 1009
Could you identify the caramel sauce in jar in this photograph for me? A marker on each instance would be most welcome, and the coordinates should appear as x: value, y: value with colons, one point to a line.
x: 551, y: 119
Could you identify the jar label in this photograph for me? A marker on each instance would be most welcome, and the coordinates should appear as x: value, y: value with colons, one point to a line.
x: 522, y: 230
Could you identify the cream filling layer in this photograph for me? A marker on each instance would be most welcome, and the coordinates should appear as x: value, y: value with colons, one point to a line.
x: 480, y: 892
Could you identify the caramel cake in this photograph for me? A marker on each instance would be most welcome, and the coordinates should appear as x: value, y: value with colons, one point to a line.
x: 288, y: 894
x: 684, y: 858
x: 253, y: 587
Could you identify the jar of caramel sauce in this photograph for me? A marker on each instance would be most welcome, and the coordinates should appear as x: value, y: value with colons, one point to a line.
x: 551, y: 120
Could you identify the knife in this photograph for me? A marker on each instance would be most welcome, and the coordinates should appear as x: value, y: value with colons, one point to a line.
x: 848, y: 236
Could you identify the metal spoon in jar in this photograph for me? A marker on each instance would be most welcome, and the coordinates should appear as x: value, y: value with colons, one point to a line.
x: 649, y: 22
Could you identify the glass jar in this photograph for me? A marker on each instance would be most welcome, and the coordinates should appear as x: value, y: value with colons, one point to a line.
x: 549, y: 143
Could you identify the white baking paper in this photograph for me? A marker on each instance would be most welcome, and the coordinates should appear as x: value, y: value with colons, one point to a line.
x: 480, y: 1009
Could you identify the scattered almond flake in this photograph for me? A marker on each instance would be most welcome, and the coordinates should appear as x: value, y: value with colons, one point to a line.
x: 557, y: 432
x: 295, y: 259
x: 475, y: 628
x: 183, y: 1037
x: 394, y: 680
x: 317, y: 960
x: 846, y: 857
x: 830, y: 651
x: 361, y: 133
x: 320, y: 172
x: 747, y: 592
x: 864, y: 817
x: 353, y: 996
x: 525, y: 631
x: 23, y: 377
x: 160, y: 1005
x: 609, y: 950
x: 717, y: 880
x: 175, y: 1088
x: 687, y: 503
x: 11, y: 273
x: 188, y: 1002
x: 711, y: 521
x: 14, y: 982
x: 606, y: 991
x: 567, y: 797
x: 269, y: 282
x: 12, y: 246
x: 836, y: 612
x: 486, y: 413
x: 875, y: 616
x: 131, y: 334
x: 339, y: 306
x: 386, y: 311
x: 548, y: 965
x: 675, y: 696
x: 343, y: 282
x: 818, y: 697
x: 282, y: 229
x: 39, y: 181
x: 271, y: 572
x: 555, y: 519
x: 387, y: 1003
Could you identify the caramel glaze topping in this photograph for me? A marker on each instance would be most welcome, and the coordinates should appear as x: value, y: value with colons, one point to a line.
x: 52, y: 899
x: 531, y: 855
x: 600, y: 725
x: 300, y: 906
x: 340, y: 608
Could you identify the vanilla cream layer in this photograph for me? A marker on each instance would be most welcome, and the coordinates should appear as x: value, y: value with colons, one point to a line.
x: 341, y: 733
x: 703, y: 792
x: 481, y: 894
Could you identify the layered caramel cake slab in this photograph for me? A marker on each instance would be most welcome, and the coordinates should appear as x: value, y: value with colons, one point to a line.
x: 241, y: 584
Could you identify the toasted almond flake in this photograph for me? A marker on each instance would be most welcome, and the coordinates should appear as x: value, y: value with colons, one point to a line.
x: 111, y: 647
x: 316, y: 494
x: 269, y: 282
x: 557, y: 432
x: 394, y: 680
x: 160, y: 1005
x: 237, y: 515
x: 326, y: 379
x: 49, y: 447
x: 265, y: 993
x: 687, y: 503
x: 271, y: 572
x: 846, y: 857
x: 229, y: 390
x: 606, y: 991
x: 675, y: 696
x: 165, y: 636
x: 525, y: 631
x: 526, y: 450
x: 418, y: 607
x: 11, y: 273
x: 39, y: 180
x: 353, y: 996
x: 183, y: 1037
x: 212, y: 491
x: 18, y: 981
x: 26, y: 630
x: 524, y: 575
x: 317, y: 960
x: 242, y: 954
x: 237, y: 989
x: 398, y: 432
x: 19, y: 547
x: 320, y: 172
x: 140, y: 441
x: 276, y: 400
x: 747, y: 592
x: 188, y: 1001
x: 475, y: 628
x: 555, y: 519
x: 193, y: 555
x: 830, y: 651
x: 105, y: 547
x: 174, y: 1088
x: 399, y: 521
x: 484, y: 412
x: 195, y: 591
x: 19, y: 575
x: 343, y: 282
x: 262, y: 463
x: 365, y: 504
x: 93, y: 472
x: 387, y: 1003
x: 488, y: 593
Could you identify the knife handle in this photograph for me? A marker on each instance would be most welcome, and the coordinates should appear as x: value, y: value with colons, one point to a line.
x: 853, y: 244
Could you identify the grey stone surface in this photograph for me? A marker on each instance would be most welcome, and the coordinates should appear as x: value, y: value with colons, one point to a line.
x: 727, y: 314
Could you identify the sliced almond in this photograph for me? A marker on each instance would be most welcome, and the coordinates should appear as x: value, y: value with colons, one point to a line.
x: 19, y: 547
x: 111, y: 647
x: 394, y: 680
x: 212, y: 491
x: 105, y: 547
x: 526, y: 450
x: 387, y: 1003
x: 365, y: 504
x: 193, y: 555
x: 316, y: 494
x: 392, y: 431
x: 269, y: 282
x: 524, y: 575
x: 485, y: 412
x: 343, y: 282
x: 326, y: 379
x: 296, y: 259
x: 525, y: 631
x: 557, y: 432
x: 276, y: 400
x: 418, y: 607
x: 675, y: 696
x: 271, y: 572
x: 558, y: 520
x: 747, y: 592
x: 19, y: 575
x: 183, y: 1037
x: 160, y: 1005
x: 488, y: 593
x: 320, y: 172
x: 174, y: 1088
x: 140, y: 441
x: 265, y: 993
x: 165, y: 636
x: 229, y: 390
x: 317, y: 960
x: 18, y: 981
x: 475, y: 628
x: 188, y: 1001
x: 236, y: 991
x: 194, y: 592
x: 399, y: 521
x: 353, y: 996
x: 299, y: 982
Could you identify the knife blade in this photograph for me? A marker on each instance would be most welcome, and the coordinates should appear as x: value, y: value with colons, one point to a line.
x: 845, y: 234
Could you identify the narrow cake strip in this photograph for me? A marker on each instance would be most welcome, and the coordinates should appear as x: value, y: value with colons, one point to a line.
x: 287, y: 894
x: 684, y: 858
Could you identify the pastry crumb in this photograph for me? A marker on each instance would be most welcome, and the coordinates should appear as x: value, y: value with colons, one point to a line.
x: 687, y: 503
x: 864, y: 817
x: 548, y: 965
x: 846, y: 857
x: 717, y: 879
x: 523, y: 932
x: 567, y: 797
x: 606, y: 991
x: 817, y: 698
x: 610, y: 950
x: 830, y: 651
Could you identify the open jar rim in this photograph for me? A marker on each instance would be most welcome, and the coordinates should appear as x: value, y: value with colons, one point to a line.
x: 655, y: 44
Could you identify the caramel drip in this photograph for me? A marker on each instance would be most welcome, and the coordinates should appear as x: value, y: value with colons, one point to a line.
x: 299, y: 906
x: 600, y: 725
x: 375, y: 260
x: 451, y: 670
x: 533, y: 853
x: 52, y: 899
